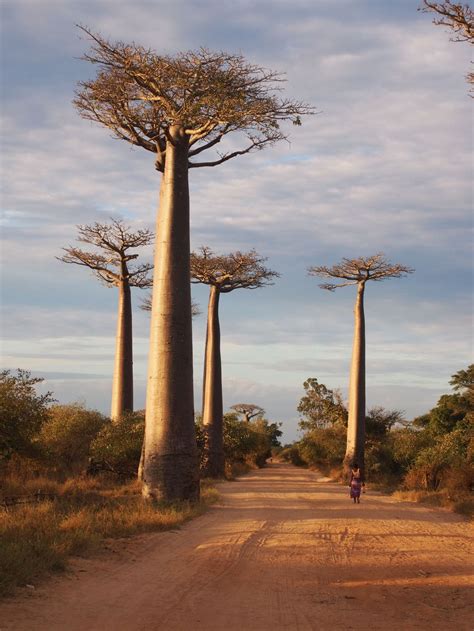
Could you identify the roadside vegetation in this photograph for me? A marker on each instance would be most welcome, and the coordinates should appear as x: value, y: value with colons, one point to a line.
x: 68, y: 478
x: 429, y: 459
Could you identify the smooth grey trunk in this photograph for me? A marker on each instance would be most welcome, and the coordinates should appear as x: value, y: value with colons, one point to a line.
x: 122, y: 385
x: 356, y: 422
x: 170, y: 468
x: 212, y: 413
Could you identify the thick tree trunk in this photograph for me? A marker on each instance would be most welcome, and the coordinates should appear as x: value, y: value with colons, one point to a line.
x: 212, y: 412
x: 170, y: 468
x: 122, y: 386
x: 356, y: 423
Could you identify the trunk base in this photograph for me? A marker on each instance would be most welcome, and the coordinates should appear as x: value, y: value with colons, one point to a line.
x: 214, y: 465
x: 171, y: 477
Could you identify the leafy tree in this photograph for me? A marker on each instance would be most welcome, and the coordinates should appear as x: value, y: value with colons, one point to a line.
x: 453, y: 411
x: 320, y: 406
x: 22, y: 412
x: 223, y: 274
x: 177, y: 108
x: 111, y: 265
x: 380, y: 421
x: 67, y: 434
x: 458, y: 17
x: 358, y: 272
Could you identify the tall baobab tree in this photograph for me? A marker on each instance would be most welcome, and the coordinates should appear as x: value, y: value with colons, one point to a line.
x: 358, y: 272
x: 458, y: 17
x: 178, y: 107
x: 223, y: 274
x: 248, y: 410
x: 111, y: 265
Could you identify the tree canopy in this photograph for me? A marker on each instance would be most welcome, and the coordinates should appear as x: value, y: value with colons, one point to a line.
x: 141, y: 96
x: 236, y: 270
x: 321, y: 407
x: 248, y: 410
x: 112, y: 266
x: 360, y: 270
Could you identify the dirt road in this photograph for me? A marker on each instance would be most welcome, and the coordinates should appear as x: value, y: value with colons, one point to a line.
x: 282, y: 552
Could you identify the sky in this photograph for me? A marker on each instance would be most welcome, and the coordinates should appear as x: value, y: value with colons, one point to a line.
x: 384, y: 166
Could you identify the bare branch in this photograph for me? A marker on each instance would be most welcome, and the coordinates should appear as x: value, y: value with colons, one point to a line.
x: 459, y: 18
x: 146, y: 306
x: 237, y: 270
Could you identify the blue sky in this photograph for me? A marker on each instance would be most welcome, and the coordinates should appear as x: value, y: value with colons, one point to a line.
x: 384, y: 166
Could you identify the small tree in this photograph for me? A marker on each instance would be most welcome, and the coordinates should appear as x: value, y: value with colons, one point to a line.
x: 458, y: 17
x: 111, y: 265
x: 358, y: 272
x: 248, y: 410
x: 223, y: 274
x: 177, y: 108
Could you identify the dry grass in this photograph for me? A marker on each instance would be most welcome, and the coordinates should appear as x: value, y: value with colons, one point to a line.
x: 462, y: 504
x: 38, y: 538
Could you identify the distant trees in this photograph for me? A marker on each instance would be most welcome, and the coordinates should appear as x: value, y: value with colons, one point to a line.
x: 458, y: 17
x: 248, y: 410
x: 358, y: 272
x: 177, y: 108
x: 111, y: 264
x: 223, y: 274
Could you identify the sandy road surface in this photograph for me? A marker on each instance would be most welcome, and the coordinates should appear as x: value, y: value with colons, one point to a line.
x: 283, y: 551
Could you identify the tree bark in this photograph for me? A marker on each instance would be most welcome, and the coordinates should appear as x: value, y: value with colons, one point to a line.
x: 212, y: 413
x: 356, y: 422
x: 122, y: 385
x: 170, y: 469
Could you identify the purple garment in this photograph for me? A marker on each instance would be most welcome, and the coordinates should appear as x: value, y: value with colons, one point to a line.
x: 356, y: 486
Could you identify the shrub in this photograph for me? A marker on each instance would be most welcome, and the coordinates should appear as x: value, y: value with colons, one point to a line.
x: 66, y: 436
x: 292, y: 454
x: 324, y: 447
x: 22, y: 413
x: 119, y: 444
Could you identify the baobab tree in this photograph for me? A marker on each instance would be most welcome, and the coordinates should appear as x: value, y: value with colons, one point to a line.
x: 177, y: 108
x: 223, y: 274
x: 458, y: 17
x: 248, y: 410
x: 111, y: 265
x: 358, y: 272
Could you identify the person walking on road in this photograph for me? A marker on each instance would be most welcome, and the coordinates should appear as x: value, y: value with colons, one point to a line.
x: 356, y: 484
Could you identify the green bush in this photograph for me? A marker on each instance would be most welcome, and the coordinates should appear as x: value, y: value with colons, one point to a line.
x: 434, y: 463
x: 66, y: 436
x: 22, y: 413
x: 292, y: 454
x: 324, y: 447
x: 119, y: 444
